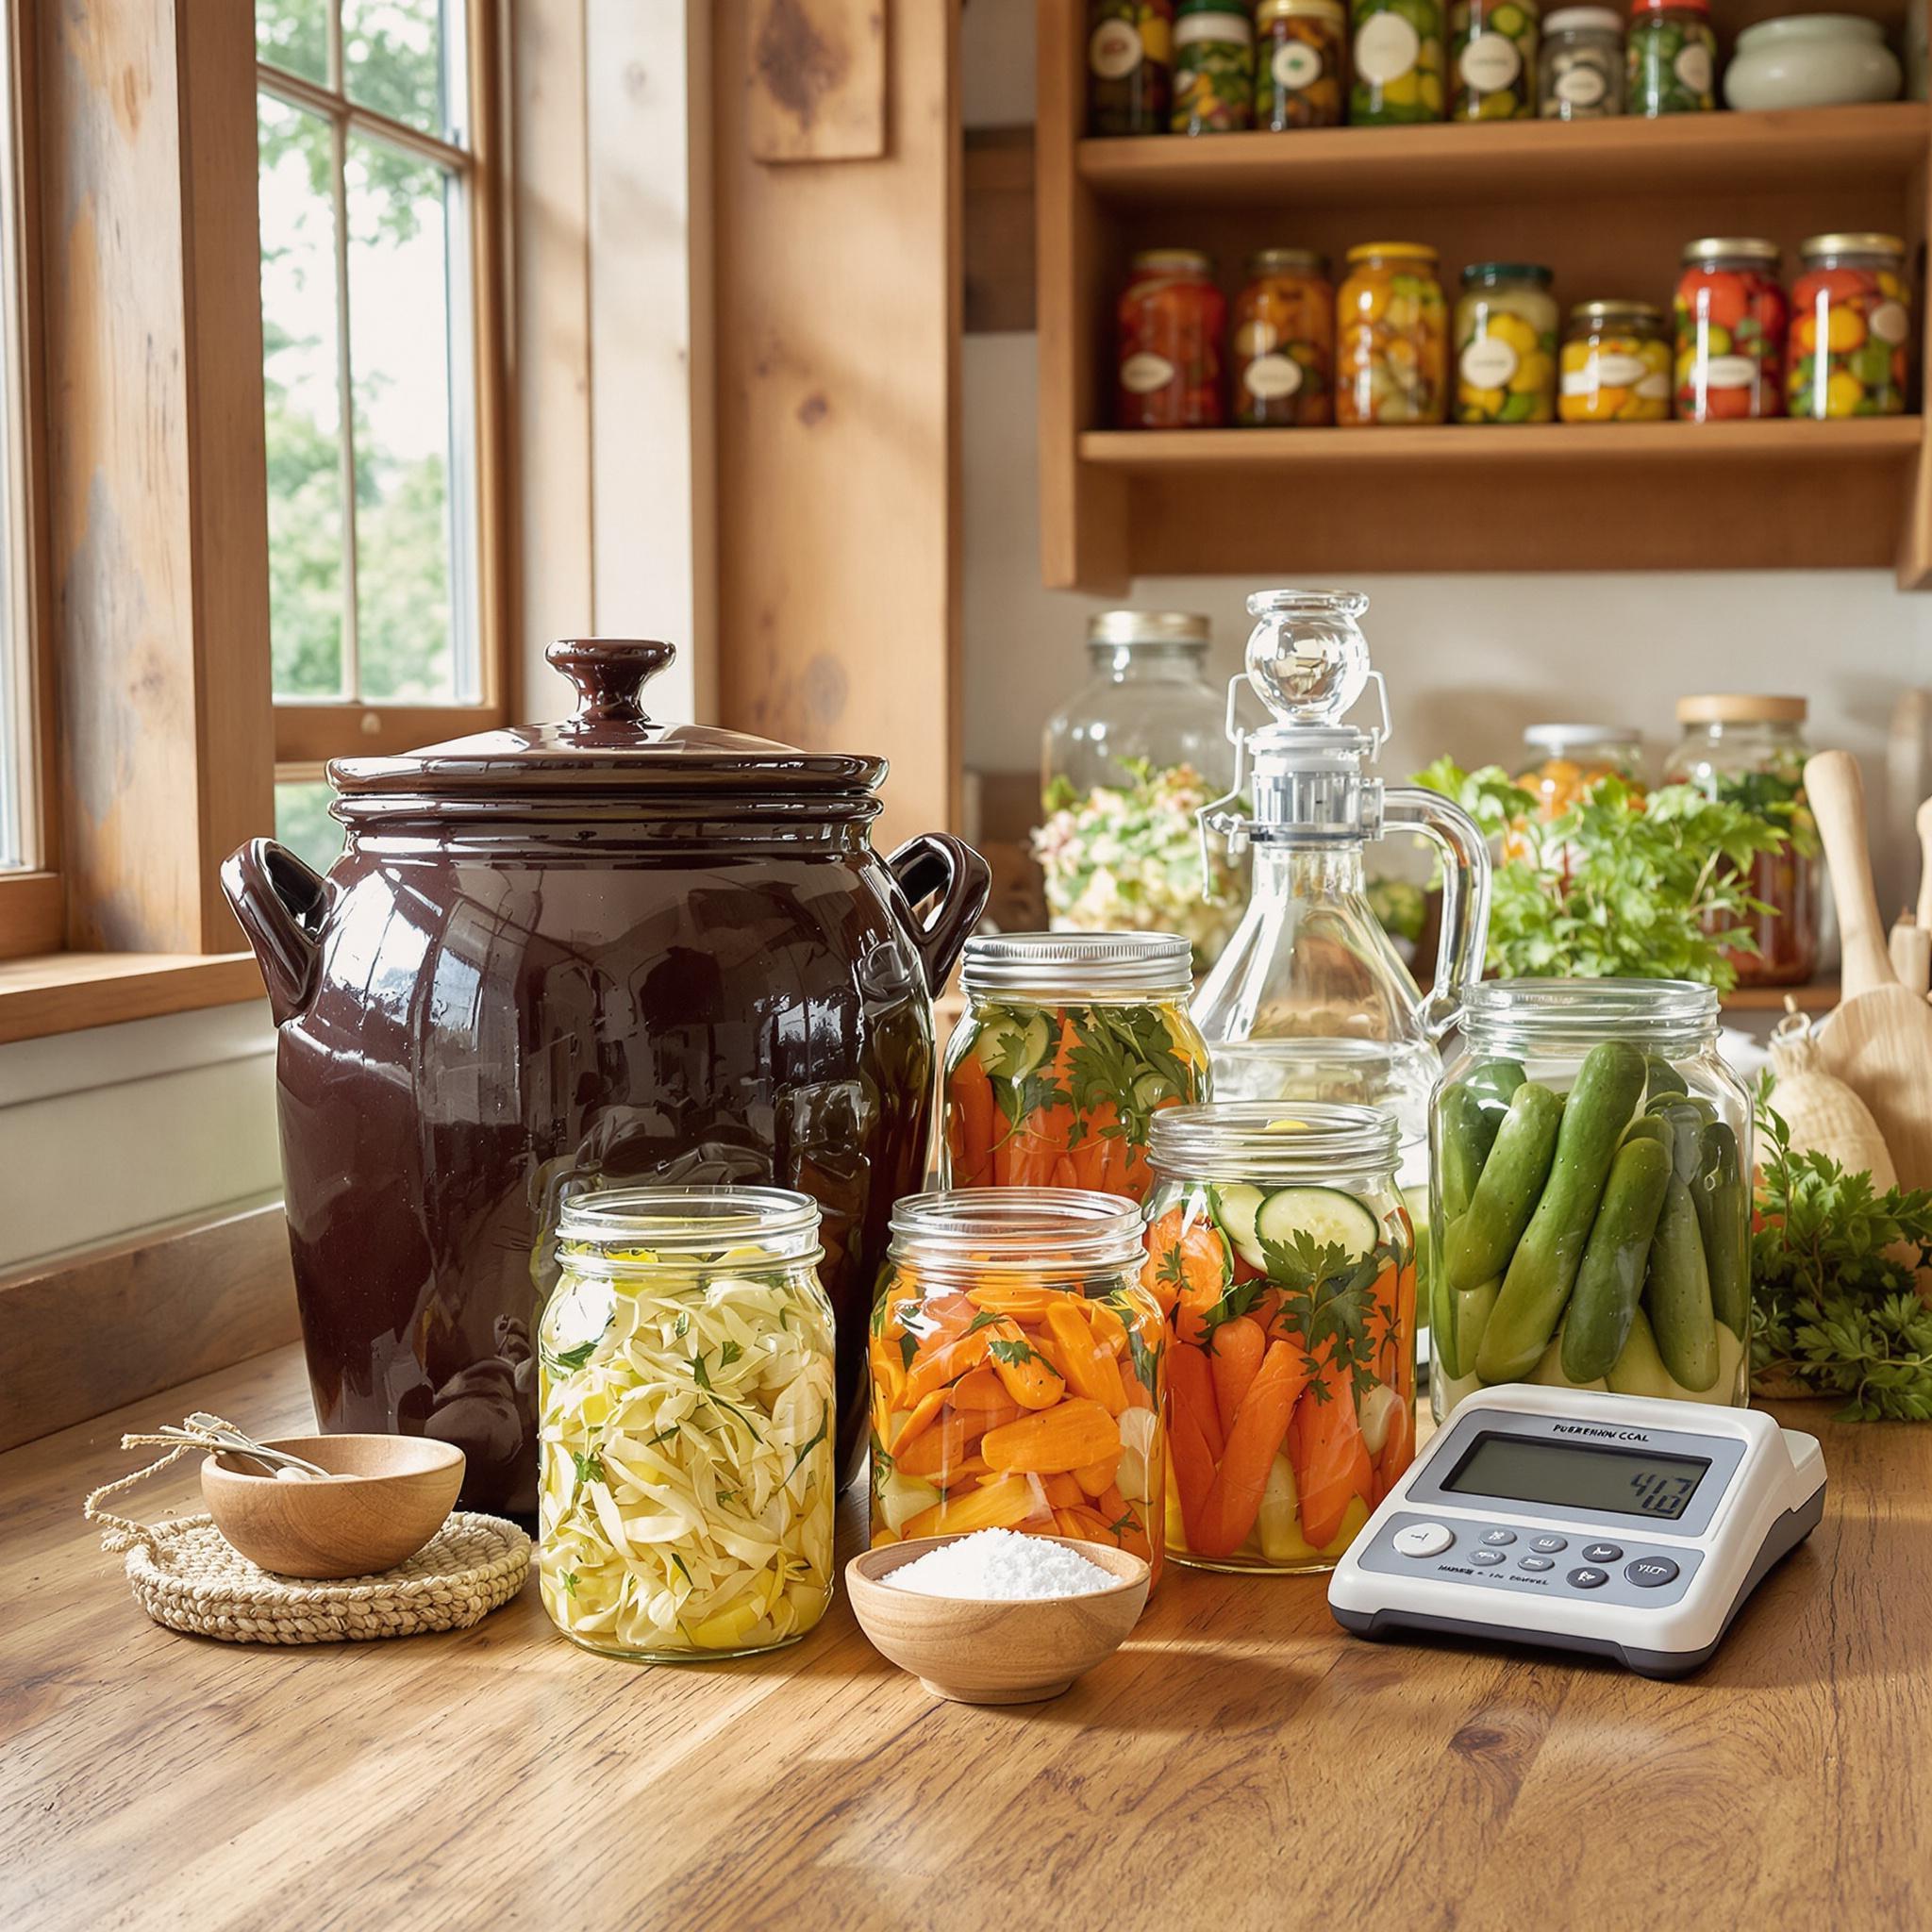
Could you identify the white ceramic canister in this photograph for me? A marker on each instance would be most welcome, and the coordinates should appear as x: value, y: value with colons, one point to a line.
x: 1811, y: 60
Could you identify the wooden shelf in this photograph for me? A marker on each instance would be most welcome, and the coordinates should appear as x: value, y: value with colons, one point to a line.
x: 1820, y: 996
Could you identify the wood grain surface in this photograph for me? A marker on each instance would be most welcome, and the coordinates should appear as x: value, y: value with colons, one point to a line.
x: 1240, y: 1762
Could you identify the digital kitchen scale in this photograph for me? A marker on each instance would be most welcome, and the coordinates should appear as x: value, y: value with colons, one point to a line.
x: 1614, y: 1524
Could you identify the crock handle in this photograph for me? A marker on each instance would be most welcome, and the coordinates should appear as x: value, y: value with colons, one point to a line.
x: 936, y: 862
x: 281, y: 903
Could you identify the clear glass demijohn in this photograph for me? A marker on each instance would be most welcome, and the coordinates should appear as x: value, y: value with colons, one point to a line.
x: 1309, y: 1000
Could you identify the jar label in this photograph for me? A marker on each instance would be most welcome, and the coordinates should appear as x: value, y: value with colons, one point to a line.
x: 1114, y: 51
x: 1296, y: 65
x: 1269, y: 376
x: 1890, y: 323
x: 1582, y: 86
x: 1729, y: 372
x: 1143, y: 373
x: 1386, y: 49
x: 1489, y: 362
x: 1692, y: 67
x: 1490, y: 63
x: 1613, y: 370
x: 1654, y: 387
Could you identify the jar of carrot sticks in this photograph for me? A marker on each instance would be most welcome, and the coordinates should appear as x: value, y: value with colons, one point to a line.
x: 1072, y: 1042
x: 1017, y: 1370
x: 1284, y: 1263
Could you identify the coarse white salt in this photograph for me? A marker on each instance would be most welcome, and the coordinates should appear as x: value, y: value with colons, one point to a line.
x: 1003, y: 1565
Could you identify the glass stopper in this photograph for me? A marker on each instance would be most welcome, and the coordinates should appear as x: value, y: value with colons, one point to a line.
x: 1307, y: 659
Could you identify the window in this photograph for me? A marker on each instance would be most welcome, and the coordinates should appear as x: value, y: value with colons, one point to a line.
x: 380, y: 425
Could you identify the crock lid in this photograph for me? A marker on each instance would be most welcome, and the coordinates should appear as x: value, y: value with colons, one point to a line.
x: 609, y: 746
x: 1741, y: 707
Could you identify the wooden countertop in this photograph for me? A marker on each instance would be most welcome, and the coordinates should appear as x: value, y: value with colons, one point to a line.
x: 1241, y: 1763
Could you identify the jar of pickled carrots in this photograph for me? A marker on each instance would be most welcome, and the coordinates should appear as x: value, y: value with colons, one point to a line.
x: 1284, y: 1264
x: 1071, y: 1045
x: 1615, y: 364
x: 1282, y: 369
x: 1171, y: 320
x: 1850, y: 337
x: 1391, y: 337
x: 1730, y: 315
x: 1018, y: 1375
x: 687, y: 1433
x: 1505, y: 345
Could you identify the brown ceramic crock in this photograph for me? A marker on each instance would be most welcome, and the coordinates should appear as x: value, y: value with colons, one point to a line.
x: 595, y: 951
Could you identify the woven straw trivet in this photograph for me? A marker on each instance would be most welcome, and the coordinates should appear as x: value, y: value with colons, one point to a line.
x: 186, y: 1575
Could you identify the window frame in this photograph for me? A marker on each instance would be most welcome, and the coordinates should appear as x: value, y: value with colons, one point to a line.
x: 309, y: 732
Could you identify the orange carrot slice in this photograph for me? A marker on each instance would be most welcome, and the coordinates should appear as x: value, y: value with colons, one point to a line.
x: 1335, y: 1460
x: 934, y: 1450
x: 1260, y: 1425
x: 1236, y: 1357
x: 1001, y: 1503
x: 1190, y: 1388
x: 1058, y: 1440
x: 1090, y: 1370
x: 969, y: 1121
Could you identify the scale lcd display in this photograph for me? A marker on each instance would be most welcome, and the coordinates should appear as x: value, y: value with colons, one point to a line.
x: 1630, y: 1482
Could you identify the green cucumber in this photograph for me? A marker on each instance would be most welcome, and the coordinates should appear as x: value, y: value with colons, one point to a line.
x: 1549, y: 1372
x: 1544, y: 1269
x: 1465, y: 1146
x: 1677, y: 1297
x: 1610, y: 1283
x: 1494, y: 1084
x: 1011, y: 1045
x: 1326, y: 1216
x: 1723, y: 1219
x: 1660, y: 1077
x: 1685, y: 1122
x: 1465, y: 1315
x: 1476, y: 1248
x: 1235, y: 1208
x: 1647, y: 1127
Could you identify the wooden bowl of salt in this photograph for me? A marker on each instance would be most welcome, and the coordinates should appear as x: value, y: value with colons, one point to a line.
x: 980, y: 1641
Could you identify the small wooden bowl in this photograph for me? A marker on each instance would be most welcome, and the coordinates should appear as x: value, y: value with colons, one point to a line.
x: 384, y: 1497
x: 980, y: 1651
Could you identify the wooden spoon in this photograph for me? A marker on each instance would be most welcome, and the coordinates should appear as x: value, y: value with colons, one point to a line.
x: 1879, y: 1041
x: 1924, y: 917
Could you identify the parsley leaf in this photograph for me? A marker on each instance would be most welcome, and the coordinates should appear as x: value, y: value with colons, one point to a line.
x: 590, y: 1468
x: 1010, y: 1350
x: 728, y: 1354
x: 824, y: 1423
x: 575, y: 1357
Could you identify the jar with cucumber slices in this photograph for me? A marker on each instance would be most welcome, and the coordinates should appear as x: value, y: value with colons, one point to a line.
x: 1071, y: 1045
x: 1284, y: 1263
x: 1590, y: 1194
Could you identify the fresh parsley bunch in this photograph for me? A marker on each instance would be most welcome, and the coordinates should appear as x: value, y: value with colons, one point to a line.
x: 1617, y: 886
x: 1835, y: 1305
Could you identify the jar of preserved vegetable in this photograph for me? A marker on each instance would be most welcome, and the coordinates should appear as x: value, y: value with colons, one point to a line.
x: 1730, y: 314
x: 1505, y: 345
x: 1569, y: 759
x: 686, y: 1432
x: 1397, y: 58
x: 1172, y: 317
x: 1580, y: 68
x: 1591, y: 1177
x: 1493, y: 59
x: 1299, y: 62
x: 1669, y: 58
x: 1018, y: 1378
x: 1129, y: 66
x: 1391, y: 337
x: 1213, y: 68
x: 1283, y: 342
x: 1749, y: 749
x: 1069, y: 1046
x: 1850, y: 328
x: 1284, y: 1262
x: 1615, y: 364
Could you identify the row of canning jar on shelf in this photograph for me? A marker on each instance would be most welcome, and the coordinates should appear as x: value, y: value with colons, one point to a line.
x: 1378, y: 349
x: 1223, y: 66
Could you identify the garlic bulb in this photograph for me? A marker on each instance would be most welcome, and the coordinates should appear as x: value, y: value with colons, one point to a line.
x: 1823, y: 1113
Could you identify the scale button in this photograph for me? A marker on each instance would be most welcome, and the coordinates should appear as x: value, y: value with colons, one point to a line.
x: 1497, y: 1539
x: 1487, y: 1558
x: 1602, y: 1553
x: 1650, y: 1573
x: 1423, y: 1539
x: 1549, y: 1546
x: 1538, y: 1563
x: 1590, y: 1579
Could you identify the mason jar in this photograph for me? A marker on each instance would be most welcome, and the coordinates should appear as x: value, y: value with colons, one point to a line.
x: 685, y: 1435
x: 1284, y: 1265
x: 1069, y: 1046
x: 1590, y: 1182
x: 1017, y: 1375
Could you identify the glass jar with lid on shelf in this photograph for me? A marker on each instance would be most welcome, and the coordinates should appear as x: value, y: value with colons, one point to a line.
x: 1300, y: 61
x: 1391, y: 337
x: 1129, y: 66
x: 1129, y: 760
x: 1213, y: 67
x: 1591, y: 1180
x: 1505, y: 345
x: 1730, y: 315
x: 1580, y: 64
x: 1748, y: 749
x: 1493, y: 59
x: 1615, y: 364
x: 1171, y: 318
x: 1282, y: 371
x: 1670, y: 58
x: 1564, y: 760
x: 1850, y: 337
x: 1396, y: 56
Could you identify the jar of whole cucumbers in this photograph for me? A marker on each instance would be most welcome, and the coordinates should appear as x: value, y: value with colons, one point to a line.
x: 1590, y: 1190
x: 1284, y: 1262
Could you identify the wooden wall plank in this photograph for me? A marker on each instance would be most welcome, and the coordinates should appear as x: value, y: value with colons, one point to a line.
x: 815, y: 80
x: 998, y: 231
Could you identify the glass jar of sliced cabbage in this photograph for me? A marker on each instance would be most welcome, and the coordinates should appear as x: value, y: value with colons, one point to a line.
x: 685, y: 1440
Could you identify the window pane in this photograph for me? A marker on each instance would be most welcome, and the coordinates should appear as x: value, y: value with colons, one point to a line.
x: 414, y: 415
x: 403, y: 58
x: 302, y: 824
x: 294, y: 36
x: 302, y: 398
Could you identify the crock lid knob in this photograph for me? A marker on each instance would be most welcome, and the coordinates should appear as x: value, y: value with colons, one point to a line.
x: 609, y: 673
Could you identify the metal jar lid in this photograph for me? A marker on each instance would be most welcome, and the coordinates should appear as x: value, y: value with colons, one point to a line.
x: 1644, y: 314
x: 1557, y: 738
x: 1741, y: 707
x: 1172, y: 261
x: 1074, y: 965
x: 1271, y: 11
x: 1113, y: 628
x: 1272, y: 1139
x: 1287, y: 262
x: 1857, y: 243
x: 1716, y: 248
